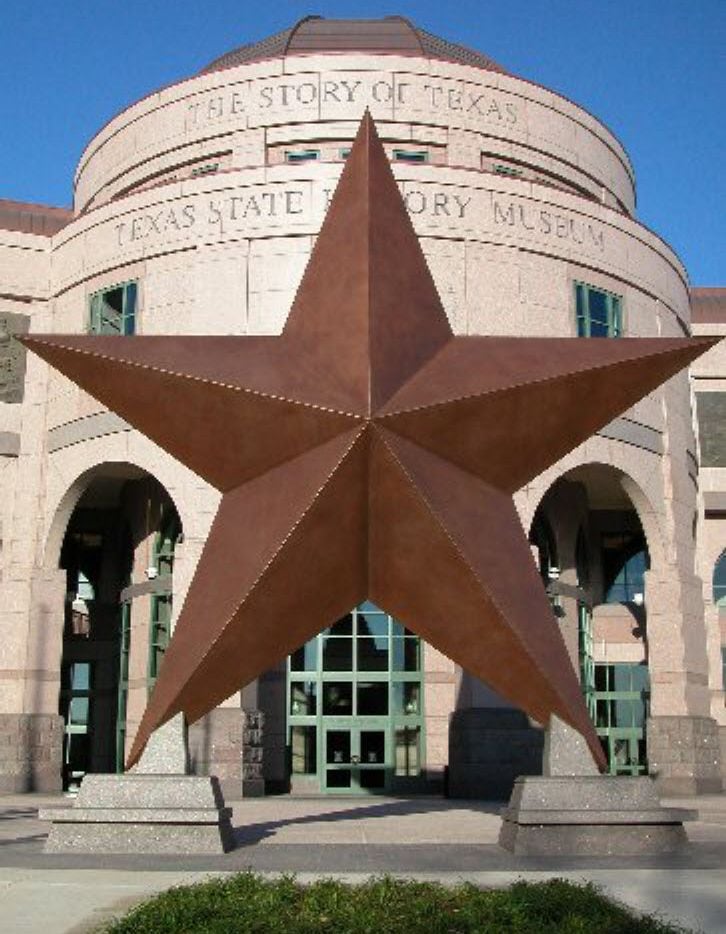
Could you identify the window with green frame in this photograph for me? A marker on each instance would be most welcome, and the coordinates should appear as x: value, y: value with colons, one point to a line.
x: 719, y: 581
x: 599, y: 313
x: 416, y: 156
x: 366, y: 665
x: 113, y: 310
x: 621, y: 702
x: 161, y: 600
x: 123, y: 685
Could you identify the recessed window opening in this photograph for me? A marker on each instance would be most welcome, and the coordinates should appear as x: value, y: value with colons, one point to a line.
x: 345, y: 152
x: 415, y: 156
x: 302, y: 155
x: 113, y: 311
x: 208, y: 169
x: 501, y: 169
x: 719, y: 581
x: 599, y: 313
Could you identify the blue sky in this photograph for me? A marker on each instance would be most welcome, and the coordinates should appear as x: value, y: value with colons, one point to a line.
x: 652, y: 70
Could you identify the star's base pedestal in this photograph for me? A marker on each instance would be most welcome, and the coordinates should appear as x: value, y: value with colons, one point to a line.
x: 142, y: 813
x: 590, y: 815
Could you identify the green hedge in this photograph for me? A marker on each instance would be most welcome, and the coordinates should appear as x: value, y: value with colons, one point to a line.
x: 248, y: 903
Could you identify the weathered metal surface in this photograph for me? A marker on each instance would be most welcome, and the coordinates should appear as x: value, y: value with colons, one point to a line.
x: 367, y: 452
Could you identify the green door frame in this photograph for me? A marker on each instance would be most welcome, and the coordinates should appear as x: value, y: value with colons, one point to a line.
x: 363, y: 774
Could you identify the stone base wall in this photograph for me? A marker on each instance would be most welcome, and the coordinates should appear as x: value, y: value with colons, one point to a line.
x: 215, y: 748
x: 722, y: 738
x: 684, y: 755
x: 31, y: 752
x: 488, y: 750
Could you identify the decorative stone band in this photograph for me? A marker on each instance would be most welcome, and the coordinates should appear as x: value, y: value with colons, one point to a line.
x: 635, y: 433
x: 85, y: 429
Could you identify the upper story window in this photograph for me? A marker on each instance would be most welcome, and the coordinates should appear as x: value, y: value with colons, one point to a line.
x: 113, y: 311
x: 501, y: 168
x: 209, y: 168
x: 599, y: 313
x: 302, y: 155
x: 719, y: 581
x: 410, y: 155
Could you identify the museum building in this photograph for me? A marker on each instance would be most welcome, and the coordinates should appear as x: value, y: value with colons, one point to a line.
x: 194, y: 212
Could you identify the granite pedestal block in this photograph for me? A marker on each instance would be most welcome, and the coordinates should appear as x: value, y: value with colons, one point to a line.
x: 142, y: 813
x: 590, y: 815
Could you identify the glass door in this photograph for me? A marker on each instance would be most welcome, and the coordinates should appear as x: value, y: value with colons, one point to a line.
x: 355, y: 707
x: 357, y: 760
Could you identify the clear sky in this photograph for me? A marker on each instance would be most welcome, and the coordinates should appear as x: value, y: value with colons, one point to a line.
x: 653, y: 70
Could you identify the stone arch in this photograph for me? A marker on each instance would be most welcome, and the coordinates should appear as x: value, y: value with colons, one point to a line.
x: 109, y: 530
x: 61, y: 512
x: 632, y: 489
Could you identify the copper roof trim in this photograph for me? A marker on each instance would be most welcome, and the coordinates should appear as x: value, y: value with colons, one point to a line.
x: 40, y: 219
x: 392, y: 35
x: 708, y: 305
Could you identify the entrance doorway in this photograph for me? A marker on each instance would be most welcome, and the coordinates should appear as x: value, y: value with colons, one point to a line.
x: 117, y: 553
x: 355, y: 707
x: 357, y: 760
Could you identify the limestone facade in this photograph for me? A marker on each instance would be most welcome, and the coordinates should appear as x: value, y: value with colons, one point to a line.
x: 199, y: 194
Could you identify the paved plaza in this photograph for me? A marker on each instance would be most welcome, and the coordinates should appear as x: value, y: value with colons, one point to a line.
x: 429, y: 838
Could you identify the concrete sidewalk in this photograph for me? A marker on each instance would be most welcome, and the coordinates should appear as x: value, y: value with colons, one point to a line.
x: 428, y: 838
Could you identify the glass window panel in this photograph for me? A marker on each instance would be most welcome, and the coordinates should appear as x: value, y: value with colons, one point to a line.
x: 303, y: 745
x: 78, y: 711
x: 640, y: 678
x: 410, y: 155
x: 302, y: 155
x: 597, y: 306
x: 603, y: 712
x: 373, y: 624
x: 338, y: 778
x: 407, y: 751
x: 77, y: 752
x: 398, y: 630
x: 406, y: 654
x: 372, y: 779
x: 130, y: 308
x: 337, y: 653
x: 621, y: 678
x: 303, y: 698
x: 344, y: 627
x: 306, y: 657
x: 337, y: 747
x: 338, y: 698
x: 372, y: 698
x: 406, y: 698
x: 719, y: 580
x: 372, y: 747
x: 373, y: 653
x: 623, y: 713
x: 639, y: 714
x: 601, y: 677
x: 81, y: 676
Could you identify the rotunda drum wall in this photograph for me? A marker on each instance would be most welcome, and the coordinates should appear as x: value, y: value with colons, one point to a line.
x: 478, y: 112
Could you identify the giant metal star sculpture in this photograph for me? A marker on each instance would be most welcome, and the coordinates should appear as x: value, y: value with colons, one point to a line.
x: 367, y: 453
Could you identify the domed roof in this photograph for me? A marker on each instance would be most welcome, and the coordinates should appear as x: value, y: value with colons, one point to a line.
x: 393, y: 35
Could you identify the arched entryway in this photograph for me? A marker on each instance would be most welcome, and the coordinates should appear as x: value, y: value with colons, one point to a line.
x: 599, y: 594
x: 117, y: 553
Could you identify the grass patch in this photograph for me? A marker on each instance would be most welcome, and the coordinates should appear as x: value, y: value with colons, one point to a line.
x: 247, y: 903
